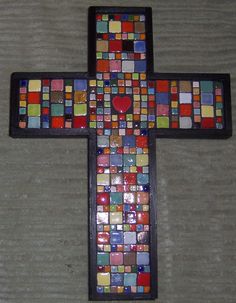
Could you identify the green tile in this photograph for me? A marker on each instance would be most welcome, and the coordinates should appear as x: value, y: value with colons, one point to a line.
x: 102, y: 258
x: 34, y: 110
x: 112, y: 207
x: 162, y: 122
x: 80, y: 109
x: 57, y: 110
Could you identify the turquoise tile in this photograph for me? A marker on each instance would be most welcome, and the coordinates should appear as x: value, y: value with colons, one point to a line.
x: 130, y: 279
x: 129, y: 160
x: 101, y: 27
x: 102, y: 258
x: 206, y: 86
x: 142, y: 178
x: 116, y: 198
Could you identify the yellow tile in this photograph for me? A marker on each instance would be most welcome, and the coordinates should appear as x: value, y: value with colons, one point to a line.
x: 207, y: 111
x: 34, y: 85
x: 92, y: 82
x: 136, y: 97
x: 103, y: 279
x: 103, y: 179
x: 120, y: 289
x: 107, y: 247
x: 45, y: 96
x: 121, y: 268
x: 114, y: 26
x: 145, y: 207
x: 133, y: 169
x: 116, y: 218
x: 68, y: 89
x: 100, y: 189
x: 144, y: 111
x: 218, y: 112
x: 142, y: 160
x: 22, y: 103
x: 174, y: 104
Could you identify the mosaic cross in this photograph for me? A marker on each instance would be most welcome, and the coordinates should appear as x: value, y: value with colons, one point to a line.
x: 121, y: 106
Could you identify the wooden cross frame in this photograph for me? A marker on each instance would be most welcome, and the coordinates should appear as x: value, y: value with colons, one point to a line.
x: 121, y: 106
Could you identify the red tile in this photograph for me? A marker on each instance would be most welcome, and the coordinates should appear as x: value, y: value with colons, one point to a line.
x: 127, y: 27
x: 115, y: 45
x: 103, y: 237
x: 141, y: 141
x: 162, y: 86
x: 143, y: 217
x: 34, y: 98
x: 45, y: 111
x: 57, y: 122
x: 130, y: 178
x: 103, y: 65
x: 46, y: 82
x: 103, y: 199
x: 174, y: 124
x: 143, y: 279
x: 117, y: 17
x: 135, y: 83
x: 80, y: 122
x: 174, y: 97
x: 185, y: 110
x: 208, y: 123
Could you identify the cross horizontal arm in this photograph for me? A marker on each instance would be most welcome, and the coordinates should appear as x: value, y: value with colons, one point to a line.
x: 189, y: 105
x: 49, y: 105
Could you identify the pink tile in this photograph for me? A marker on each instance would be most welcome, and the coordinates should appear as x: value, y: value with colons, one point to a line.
x: 115, y: 65
x: 57, y: 85
x: 116, y: 258
x: 103, y: 160
x: 162, y: 110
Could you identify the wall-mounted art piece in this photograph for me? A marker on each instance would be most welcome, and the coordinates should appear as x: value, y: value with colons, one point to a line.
x: 121, y: 106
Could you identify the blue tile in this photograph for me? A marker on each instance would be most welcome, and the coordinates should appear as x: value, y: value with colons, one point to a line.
x: 100, y: 289
x: 80, y: 85
x: 45, y: 124
x: 68, y: 110
x: 116, y: 160
x: 45, y: 118
x: 142, y: 258
x: 116, y: 237
x: 23, y: 83
x: 140, y: 289
x: 162, y: 98
x: 117, y: 279
x: 139, y: 47
x: 207, y: 98
x: 127, y: 289
x: 140, y: 66
x: 129, y: 141
x: 34, y: 122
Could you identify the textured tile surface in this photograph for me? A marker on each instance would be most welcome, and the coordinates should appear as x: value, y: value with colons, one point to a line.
x: 43, y: 183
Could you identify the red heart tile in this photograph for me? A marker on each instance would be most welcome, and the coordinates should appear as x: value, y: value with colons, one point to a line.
x: 121, y: 104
